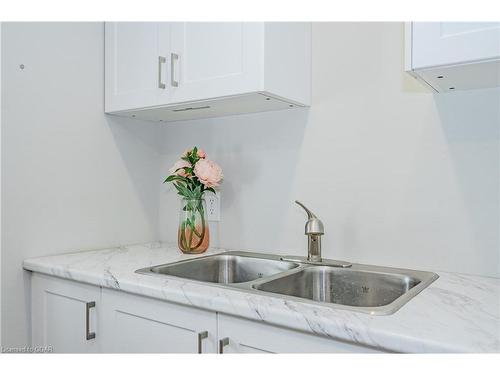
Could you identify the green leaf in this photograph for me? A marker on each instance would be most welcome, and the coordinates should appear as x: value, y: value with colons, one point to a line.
x: 211, y: 189
x: 180, y: 188
x: 175, y: 177
x: 171, y: 178
x: 183, y: 190
x: 197, y: 191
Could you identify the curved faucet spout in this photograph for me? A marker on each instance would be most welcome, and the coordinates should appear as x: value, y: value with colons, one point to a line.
x: 314, y: 230
x: 309, y: 213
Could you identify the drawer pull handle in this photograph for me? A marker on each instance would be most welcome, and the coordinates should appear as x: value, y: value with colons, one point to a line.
x: 89, y: 335
x: 201, y: 336
x: 161, y: 60
x: 222, y: 343
x: 173, y: 58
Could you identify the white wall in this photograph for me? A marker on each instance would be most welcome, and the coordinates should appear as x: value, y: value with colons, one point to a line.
x: 400, y: 177
x: 72, y: 178
x: 0, y: 184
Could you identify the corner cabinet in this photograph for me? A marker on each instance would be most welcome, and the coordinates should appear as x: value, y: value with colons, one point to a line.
x: 168, y: 71
x: 64, y: 315
x: 73, y: 317
x: 451, y: 56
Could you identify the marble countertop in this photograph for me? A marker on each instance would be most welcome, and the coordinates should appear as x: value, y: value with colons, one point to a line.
x: 456, y: 313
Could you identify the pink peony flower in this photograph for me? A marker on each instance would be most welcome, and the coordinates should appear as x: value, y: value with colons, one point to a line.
x: 208, y: 172
x: 201, y: 154
x: 180, y: 164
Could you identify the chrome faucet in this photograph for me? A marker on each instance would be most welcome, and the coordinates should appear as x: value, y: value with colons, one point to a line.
x: 314, y: 230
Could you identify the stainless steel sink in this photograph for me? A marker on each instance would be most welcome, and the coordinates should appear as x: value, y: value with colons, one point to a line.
x: 361, y: 288
x: 342, y: 286
x: 223, y: 268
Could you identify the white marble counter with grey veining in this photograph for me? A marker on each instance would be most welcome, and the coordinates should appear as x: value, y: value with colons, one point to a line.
x: 456, y: 313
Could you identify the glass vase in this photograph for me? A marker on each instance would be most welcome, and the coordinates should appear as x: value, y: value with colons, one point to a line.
x: 193, y: 235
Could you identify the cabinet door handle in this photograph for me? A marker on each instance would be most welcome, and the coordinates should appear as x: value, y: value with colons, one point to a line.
x: 89, y: 335
x: 222, y: 343
x: 173, y: 58
x: 201, y: 336
x: 161, y: 60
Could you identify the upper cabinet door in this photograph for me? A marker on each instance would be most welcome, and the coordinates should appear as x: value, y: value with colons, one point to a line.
x: 446, y: 43
x: 136, y: 64
x: 214, y: 59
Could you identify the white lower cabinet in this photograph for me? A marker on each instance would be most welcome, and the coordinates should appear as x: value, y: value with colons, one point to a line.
x: 64, y: 315
x: 74, y: 317
x: 134, y: 324
x: 237, y: 335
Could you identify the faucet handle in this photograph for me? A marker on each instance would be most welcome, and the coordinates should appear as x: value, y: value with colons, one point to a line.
x: 313, y: 224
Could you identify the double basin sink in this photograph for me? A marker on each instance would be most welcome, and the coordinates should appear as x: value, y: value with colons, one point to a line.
x: 362, y: 288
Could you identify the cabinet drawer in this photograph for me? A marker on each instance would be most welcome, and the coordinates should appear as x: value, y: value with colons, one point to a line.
x: 245, y: 336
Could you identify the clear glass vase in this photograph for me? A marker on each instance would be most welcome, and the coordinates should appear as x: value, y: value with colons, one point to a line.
x: 193, y: 235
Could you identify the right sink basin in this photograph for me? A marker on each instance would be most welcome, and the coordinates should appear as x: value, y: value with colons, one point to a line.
x: 375, y: 292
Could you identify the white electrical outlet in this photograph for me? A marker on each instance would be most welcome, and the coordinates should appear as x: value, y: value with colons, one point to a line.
x: 213, y: 206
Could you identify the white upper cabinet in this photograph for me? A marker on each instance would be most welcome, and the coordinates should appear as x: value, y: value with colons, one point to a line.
x: 186, y: 70
x: 454, y: 55
x: 214, y: 59
x: 133, y: 59
x: 447, y: 43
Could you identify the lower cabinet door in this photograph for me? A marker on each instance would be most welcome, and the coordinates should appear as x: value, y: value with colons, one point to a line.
x: 237, y: 335
x: 135, y: 324
x: 64, y: 315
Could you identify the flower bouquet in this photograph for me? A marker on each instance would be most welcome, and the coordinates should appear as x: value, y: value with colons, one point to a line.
x: 192, y: 176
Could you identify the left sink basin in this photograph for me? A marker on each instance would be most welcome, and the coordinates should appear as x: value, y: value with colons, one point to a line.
x: 222, y: 268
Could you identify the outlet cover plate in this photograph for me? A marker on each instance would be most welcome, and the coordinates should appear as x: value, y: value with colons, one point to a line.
x: 213, y: 206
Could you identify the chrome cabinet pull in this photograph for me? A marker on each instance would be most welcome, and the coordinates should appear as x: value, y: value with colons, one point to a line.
x: 201, y: 336
x: 161, y: 60
x: 89, y: 335
x: 222, y: 343
x: 173, y: 58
